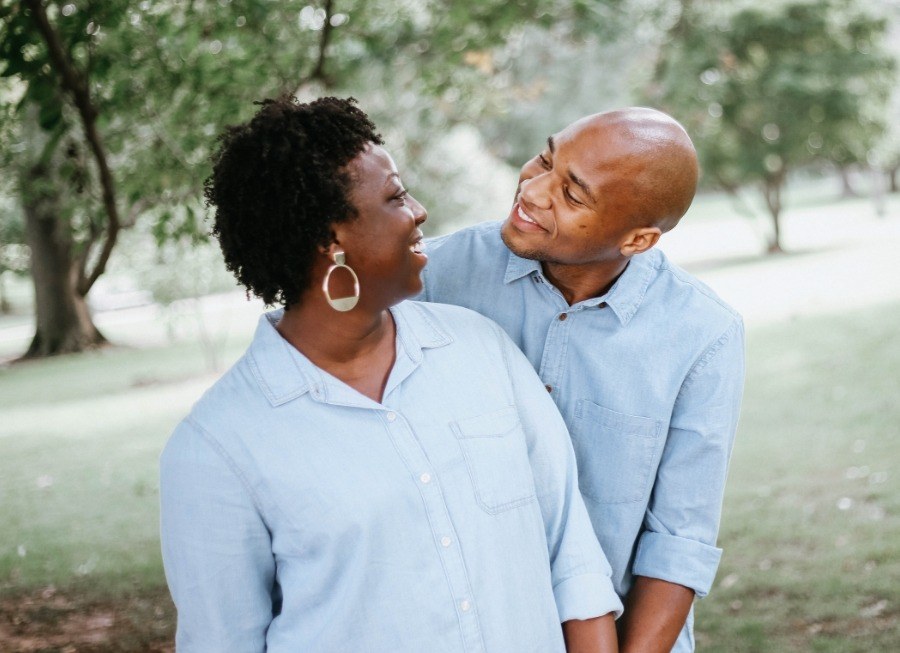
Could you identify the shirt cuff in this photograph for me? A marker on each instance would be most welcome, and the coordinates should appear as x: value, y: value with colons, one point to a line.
x: 677, y: 560
x: 586, y: 596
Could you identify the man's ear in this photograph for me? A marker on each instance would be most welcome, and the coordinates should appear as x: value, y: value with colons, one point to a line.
x: 640, y: 240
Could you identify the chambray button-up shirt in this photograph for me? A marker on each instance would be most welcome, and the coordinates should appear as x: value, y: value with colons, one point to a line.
x: 648, y: 378
x: 300, y: 515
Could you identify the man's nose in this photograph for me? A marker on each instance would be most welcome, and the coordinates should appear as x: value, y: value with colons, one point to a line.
x: 535, y: 191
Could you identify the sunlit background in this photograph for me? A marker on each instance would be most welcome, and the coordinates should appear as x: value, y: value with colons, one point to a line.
x: 116, y: 311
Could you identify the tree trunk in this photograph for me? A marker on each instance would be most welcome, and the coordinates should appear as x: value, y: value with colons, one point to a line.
x: 772, y: 192
x: 892, y: 178
x: 62, y: 318
x: 847, y: 188
x: 5, y: 306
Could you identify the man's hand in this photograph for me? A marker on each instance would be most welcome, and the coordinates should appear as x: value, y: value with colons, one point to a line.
x: 655, y: 612
x: 597, y: 635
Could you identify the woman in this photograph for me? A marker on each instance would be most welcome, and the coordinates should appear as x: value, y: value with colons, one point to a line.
x: 372, y: 475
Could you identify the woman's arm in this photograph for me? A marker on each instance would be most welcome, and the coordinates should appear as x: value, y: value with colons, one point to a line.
x: 581, y: 574
x: 216, y: 549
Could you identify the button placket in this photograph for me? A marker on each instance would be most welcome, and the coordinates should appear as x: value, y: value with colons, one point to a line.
x: 414, y: 454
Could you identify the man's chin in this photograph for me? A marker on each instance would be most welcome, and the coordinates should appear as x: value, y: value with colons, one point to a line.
x: 508, y: 236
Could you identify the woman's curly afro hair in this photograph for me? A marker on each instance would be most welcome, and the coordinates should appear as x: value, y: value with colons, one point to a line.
x: 278, y: 183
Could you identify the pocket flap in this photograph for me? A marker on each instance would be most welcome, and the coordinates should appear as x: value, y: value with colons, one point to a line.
x: 618, y: 422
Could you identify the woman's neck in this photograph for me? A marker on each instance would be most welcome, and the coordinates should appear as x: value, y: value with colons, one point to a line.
x: 357, y: 347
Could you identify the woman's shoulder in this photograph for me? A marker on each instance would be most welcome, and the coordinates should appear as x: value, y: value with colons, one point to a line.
x: 450, y: 318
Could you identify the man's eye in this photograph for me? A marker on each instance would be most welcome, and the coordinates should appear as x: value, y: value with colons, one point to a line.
x: 545, y: 163
x: 570, y: 197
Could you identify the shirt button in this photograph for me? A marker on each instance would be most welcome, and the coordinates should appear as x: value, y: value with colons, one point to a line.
x: 445, y: 541
x: 425, y: 478
x: 549, y: 388
x: 465, y: 606
x: 391, y: 416
x: 563, y: 316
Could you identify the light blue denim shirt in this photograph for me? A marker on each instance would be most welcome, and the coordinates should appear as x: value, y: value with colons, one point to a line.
x: 300, y: 515
x: 648, y: 379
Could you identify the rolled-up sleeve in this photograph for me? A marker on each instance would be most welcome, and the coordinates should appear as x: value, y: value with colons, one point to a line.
x: 580, y: 571
x: 682, y: 520
x: 216, y: 548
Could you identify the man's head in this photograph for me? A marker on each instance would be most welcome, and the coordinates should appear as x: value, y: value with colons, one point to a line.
x: 605, y: 188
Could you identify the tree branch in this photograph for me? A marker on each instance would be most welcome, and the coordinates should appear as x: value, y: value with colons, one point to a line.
x: 77, y: 87
x: 319, y: 71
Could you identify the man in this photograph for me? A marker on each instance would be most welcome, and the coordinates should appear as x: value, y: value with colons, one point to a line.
x: 644, y: 362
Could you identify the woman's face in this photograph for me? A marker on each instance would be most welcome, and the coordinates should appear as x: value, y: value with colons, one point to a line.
x: 383, y: 243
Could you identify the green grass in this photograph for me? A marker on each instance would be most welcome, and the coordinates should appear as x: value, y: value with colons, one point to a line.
x: 79, y: 442
x: 811, y: 529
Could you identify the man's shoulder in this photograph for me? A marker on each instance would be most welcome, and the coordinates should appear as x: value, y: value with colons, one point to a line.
x: 479, y: 238
x: 467, y: 267
x: 683, y: 293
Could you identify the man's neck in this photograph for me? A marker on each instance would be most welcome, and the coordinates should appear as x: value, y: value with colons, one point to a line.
x: 580, y: 282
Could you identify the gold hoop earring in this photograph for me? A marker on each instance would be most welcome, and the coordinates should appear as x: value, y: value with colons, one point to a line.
x: 342, y: 304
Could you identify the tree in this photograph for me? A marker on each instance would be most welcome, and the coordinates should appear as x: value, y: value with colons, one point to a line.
x: 766, y: 91
x: 122, y: 99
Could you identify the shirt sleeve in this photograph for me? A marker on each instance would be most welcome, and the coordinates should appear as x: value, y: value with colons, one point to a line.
x: 217, y: 551
x: 580, y: 571
x: 678, y: 543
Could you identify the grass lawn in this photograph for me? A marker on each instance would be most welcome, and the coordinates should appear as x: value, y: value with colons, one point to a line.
x: 811, y: 528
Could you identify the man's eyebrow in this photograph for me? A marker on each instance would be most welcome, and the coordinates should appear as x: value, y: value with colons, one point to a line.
x: 551, y: 144
x: 582, y: 185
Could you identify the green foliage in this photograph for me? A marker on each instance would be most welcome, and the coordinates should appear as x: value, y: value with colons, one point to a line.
x: 766, y: 90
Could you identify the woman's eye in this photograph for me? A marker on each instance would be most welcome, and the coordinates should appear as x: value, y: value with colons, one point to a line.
x: 401, y: 195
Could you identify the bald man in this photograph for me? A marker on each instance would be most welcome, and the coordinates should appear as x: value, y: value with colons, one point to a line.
x: 645, y: 363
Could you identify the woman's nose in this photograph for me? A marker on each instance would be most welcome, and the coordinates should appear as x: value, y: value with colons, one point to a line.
x: 420, y: 215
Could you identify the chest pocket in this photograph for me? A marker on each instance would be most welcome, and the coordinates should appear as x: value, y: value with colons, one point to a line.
x: 615, y: 453
x: 496, y: 454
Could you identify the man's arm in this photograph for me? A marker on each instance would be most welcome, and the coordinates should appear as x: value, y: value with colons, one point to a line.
x: 655, y: 612
x: 676, y: 556
x: 591, y: 635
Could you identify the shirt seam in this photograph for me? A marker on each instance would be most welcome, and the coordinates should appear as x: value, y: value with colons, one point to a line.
x: 708, y: 355
x: 232, y: 466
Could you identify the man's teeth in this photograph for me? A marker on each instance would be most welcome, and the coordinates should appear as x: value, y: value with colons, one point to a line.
x: 525, y: 217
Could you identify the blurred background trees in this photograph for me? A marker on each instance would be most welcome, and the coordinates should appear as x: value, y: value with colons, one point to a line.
x: 767, y: 91
x: 463, y: 91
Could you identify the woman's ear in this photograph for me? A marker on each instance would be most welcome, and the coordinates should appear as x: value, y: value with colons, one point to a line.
x: 332, y: 246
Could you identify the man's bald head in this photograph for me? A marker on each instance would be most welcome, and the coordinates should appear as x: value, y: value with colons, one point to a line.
x: 603, y: 189
x: 655, y: 160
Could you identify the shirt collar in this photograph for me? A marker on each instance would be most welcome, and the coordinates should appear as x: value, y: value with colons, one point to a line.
x: 283, y: 373
x: 626, y: 294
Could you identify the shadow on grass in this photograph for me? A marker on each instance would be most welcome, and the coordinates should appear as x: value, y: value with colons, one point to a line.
x: 84, y: 620
x: 723, y: 263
